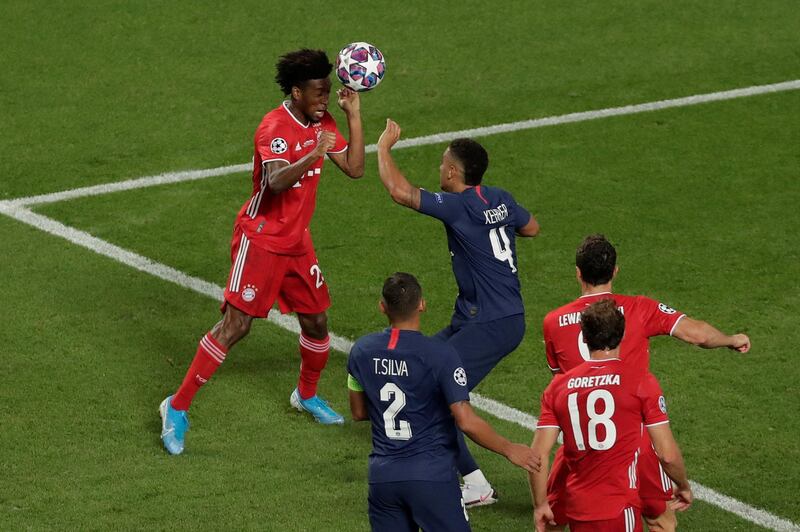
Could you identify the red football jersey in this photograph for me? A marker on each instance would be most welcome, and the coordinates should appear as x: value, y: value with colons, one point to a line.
x: 279, y: 222
x: 644, y: 318
x: 600, y: 407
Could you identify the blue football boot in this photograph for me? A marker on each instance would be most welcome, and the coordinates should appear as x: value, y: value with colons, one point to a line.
x: 317, y: 407
x: 174, y: 424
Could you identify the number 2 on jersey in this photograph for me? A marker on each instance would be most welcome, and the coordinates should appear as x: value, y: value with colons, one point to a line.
x: 502, y: 250
x: 403, y: 429
x: 595, y: 419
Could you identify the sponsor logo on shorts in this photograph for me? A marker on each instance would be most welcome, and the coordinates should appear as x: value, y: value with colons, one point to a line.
x: 665, y: 309
x: 249, y: 293
x: 460, y: 376
x: 662, y: 404
x: 278, y: 146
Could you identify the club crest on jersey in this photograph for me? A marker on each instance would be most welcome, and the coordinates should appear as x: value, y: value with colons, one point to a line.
x: 278, y: 146
x: 460, y: 376
x: 662, y: 404
x: 665, y: 309
x: 249, y: 293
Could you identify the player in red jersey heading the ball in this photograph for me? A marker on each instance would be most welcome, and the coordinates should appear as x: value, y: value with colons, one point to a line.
x: 600, y: 405
x: 272, y: 254
x: 596, y: 267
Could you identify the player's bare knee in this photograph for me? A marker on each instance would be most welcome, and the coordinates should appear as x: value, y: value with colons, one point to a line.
x: 314, y: 325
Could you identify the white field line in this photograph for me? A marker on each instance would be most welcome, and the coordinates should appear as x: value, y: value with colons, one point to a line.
x: 190, y: 175
x: 495, y: 408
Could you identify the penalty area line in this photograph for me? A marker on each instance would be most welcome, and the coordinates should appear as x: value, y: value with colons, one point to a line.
x: 341, y: 344
x: 193, y: 175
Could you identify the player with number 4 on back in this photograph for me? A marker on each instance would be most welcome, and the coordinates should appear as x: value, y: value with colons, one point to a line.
x: 272, y: 253
x: 600, y: 406
x: 481, y: 222
x: 414, y: 391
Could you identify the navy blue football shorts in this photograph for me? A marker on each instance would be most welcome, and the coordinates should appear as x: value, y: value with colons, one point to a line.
x: 414, y: 504
x: 483, y: 345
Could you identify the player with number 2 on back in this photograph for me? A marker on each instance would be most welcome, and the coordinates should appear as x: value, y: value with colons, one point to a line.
x: 272, y: 253
x: 600, y: 405
x: 414, y: 391
x: 481, y: 222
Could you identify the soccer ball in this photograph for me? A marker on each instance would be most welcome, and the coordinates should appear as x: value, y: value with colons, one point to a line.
x: 360, y: 66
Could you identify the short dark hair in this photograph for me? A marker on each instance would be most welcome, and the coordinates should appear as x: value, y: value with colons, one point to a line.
x: 401, y: 295
x: 603, y: 325
x: 596, y: 258
x: 296, y: 68
x: 473, y: 157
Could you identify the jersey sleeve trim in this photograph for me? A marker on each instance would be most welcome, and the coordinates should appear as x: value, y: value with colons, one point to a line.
x: 676, y: 323
x: 274, y: 160
x: 552, y: 368
x: 353, y: 384
x: 548, y: 427
x: 340, y: 151
x: 656, y: 424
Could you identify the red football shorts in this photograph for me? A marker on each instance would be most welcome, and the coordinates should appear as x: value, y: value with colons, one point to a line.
x: 630, y: 520
x: 655, y: 487
x: 259, y: 277
x: 557, y: 487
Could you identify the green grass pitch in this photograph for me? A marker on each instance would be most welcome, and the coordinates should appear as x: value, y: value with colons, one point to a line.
x: 700, y: 201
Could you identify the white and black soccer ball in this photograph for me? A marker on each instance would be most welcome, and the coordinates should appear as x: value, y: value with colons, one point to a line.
x: 360, y: 66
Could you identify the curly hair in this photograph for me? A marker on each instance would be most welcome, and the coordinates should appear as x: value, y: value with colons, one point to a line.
x: 473, y: 157
x: 596, y: 259
x: 296, y: 68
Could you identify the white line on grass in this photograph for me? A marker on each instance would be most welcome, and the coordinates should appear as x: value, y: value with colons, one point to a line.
x: 495, y: 408
x: 190, y: 175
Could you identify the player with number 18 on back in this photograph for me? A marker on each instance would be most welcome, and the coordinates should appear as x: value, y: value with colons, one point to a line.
x: 272, y: 254
x: 601, y: 405
x: 481, y: 223
x: 414, y: 391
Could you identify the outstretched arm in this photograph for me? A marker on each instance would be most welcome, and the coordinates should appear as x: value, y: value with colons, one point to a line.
x: 351, y: 161
x: 399, y: 188
x: 707, y: 336
x: 484, y: 435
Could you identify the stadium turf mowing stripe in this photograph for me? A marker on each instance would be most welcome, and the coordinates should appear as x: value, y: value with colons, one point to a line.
x: 497, y: 409
x: 192, y: 175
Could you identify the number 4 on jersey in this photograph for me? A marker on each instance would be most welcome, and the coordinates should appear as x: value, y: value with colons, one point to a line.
x: 502, y: 251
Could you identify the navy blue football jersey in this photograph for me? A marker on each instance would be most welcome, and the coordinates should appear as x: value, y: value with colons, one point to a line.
x: 481, y: 224
x: 410, y: 381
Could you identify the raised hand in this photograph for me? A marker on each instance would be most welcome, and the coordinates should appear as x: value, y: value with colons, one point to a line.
x: 349, y: 100
x: 390, y: 135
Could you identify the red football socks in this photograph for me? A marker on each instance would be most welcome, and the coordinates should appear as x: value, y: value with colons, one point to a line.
x: 314, y: 355
x: 210, y: 354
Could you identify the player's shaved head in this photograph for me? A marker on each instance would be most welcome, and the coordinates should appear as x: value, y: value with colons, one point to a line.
x: 596, y: 258
x: 603, y: 325
x: 473, y: 158
x: 298, y: 67
x: 401, y: 295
